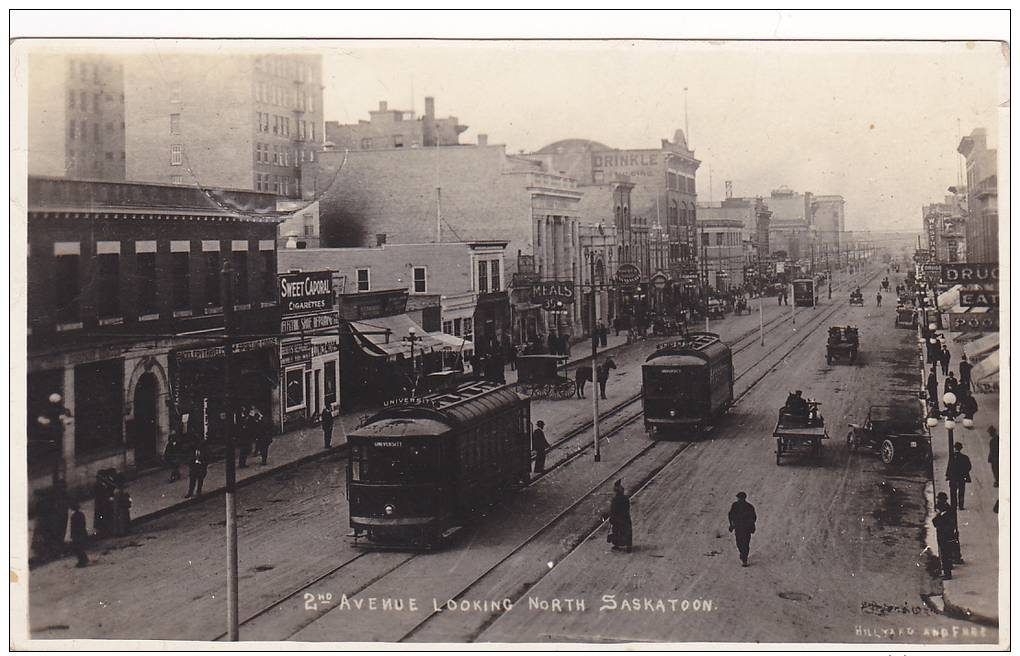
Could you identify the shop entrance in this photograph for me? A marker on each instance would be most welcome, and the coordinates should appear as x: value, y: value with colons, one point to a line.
x: 145, y: 427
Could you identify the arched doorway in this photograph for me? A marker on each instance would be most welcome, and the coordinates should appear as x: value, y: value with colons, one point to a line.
x: 145, y: 425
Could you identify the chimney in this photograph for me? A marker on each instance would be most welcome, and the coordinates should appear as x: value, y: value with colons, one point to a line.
x: 483, y: 140
x: 428, y: 127
x: 380, y: 239
x: 382, y: 105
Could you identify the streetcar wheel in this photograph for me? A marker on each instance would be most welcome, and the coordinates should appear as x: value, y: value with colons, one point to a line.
x: 888, y: 452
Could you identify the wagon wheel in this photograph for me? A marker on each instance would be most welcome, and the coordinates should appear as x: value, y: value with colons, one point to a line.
x: 565, y: 389
x: 888, y: 452
x: 779, y: 451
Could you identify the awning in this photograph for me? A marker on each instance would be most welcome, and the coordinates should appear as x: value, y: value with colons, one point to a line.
x: 949, y: 299
x: 372, y: 335
x: 983, y: 354
x: 454, y: 343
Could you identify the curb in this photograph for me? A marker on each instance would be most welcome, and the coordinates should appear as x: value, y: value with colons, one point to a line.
x: 959, y: 612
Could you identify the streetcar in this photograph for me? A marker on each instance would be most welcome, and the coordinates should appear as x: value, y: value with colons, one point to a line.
x: 422, y: 468
x: 805, y: 293
x: 687, y: 383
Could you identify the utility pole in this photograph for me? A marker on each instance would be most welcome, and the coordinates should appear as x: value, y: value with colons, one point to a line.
x: 439, y: 215
x: 227, y: 278
x: 594, y: 363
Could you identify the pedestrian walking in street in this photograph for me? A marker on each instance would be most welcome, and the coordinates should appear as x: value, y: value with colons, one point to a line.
x: 958, y: 475
x: 950, y: 384
x: 942, y: 505
x: 121, y: 508
x: 933, y: 389
x: 79, y: 535
x: 172, y: 457
x: 621, y: 530
x: 102, y: 495
x: 540, y: 445
x: 965, y: 368
x: 197, y: 469
x: 327, y: 427
x: 742, y: 524
x: 993, y: 456
x: 944, y: 535
x: 603, y: 334
x: 968, y: 404
x: 878, y: 299
x: 263, y: 439
x: 944, y: 359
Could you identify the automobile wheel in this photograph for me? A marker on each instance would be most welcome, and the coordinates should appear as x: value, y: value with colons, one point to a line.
x: 851, y: 440
x: 888, y: 452
x: 779, y: 452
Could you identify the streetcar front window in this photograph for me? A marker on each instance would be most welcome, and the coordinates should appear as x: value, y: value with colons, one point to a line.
x: 412, y: 463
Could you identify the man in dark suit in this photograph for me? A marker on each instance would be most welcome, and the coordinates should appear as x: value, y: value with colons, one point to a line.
x: 540, y: 445
x: 742, y: 520
x: 958, y: 475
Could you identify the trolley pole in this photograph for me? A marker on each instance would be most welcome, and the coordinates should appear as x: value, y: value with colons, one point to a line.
x: 761, y: 319
x: 227, y: 278
x: 595, y: 367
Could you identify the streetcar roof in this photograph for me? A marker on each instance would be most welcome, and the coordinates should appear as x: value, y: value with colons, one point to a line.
x: 402, y: 427
x: 700, y: 347
x: 672, y: 360
x: 456, y: 408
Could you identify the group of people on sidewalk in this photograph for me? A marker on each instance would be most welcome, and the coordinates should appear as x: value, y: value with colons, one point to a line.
x: 254, y: 435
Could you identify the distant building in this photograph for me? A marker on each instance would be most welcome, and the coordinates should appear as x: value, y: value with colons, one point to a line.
x: 396, y: 128
x: 466, y: 194
x: 723, y: 252
x: 828, y: 220
x: 982, y: 197
x: 950, y: 224
x: 238, y: 121
x: 76, y: 104
x: 599, y: 247
x: 126, y: 313
x: 664, y: 186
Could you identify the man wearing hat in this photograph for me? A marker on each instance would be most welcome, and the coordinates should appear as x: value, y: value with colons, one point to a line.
x: 958, y: 475
x: 540, y: 445
x: 965, y: 368
x: 742, y: 518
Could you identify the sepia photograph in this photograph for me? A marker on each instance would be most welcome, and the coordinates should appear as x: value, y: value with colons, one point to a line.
x: 508, y: 343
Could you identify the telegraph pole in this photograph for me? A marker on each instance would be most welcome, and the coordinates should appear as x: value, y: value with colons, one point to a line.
x: 227, y: 277
x: 594, y: 363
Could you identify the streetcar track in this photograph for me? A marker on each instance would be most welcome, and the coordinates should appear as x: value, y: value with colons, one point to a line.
x: 571, y: 434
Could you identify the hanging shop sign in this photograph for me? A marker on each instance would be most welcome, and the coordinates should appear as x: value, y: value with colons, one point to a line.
x: 306, y: 292
x: 295, y: 353
x: 628, y: 274
x: 985, y: 274
x: 554, y: 290
x: 220, y: 351
x: 979, y: 298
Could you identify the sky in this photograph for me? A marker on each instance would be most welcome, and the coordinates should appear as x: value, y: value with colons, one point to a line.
x: 877, y: 123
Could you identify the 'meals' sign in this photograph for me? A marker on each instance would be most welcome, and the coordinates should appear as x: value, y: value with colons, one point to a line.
x: 306, y: 292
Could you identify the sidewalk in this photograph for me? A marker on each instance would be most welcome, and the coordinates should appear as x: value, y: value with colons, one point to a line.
x: 973, y: 592
x: 152, y: 495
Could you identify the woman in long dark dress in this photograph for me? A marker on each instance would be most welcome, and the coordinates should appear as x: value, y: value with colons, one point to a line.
x: 621, y: 534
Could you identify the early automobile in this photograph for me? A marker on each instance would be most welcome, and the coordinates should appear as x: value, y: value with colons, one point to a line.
x: 800, y: 427
x: 716, y: 308
x: 896, y: 432
x: 844, y: 342
x: 856, y: 297
x: 906, y: 316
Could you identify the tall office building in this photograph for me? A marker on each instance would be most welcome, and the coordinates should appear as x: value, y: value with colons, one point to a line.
x: 240, y: 121
x: 76, y: 102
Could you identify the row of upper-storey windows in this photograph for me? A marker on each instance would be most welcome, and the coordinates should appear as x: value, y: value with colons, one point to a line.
x: 678, y: 182
x: 128, y: 272
x: 284, y: 67
x: 271, y: 94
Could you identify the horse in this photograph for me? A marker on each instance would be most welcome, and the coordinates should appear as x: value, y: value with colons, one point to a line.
x: 582, y: 376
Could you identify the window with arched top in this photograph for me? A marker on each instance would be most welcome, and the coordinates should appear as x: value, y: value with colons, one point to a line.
x: 674, y: 213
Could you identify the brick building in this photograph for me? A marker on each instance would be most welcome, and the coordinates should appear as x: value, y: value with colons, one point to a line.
x: 76, y: 104
x: 240, y: 121
x: 982, y: 231
x: 396, y: 128
x: 466, y: 194
x: 949, y: 220
x: 126, y: 317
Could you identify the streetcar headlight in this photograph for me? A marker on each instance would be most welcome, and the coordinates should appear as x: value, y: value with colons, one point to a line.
x: 389, y: 509
x: 672, y: 413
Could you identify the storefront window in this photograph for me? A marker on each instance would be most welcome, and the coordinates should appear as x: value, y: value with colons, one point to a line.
x: 98, y: 406
x: 295, y: 382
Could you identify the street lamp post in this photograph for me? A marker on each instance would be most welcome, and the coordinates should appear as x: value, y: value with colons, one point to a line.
x: 412, y: 338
